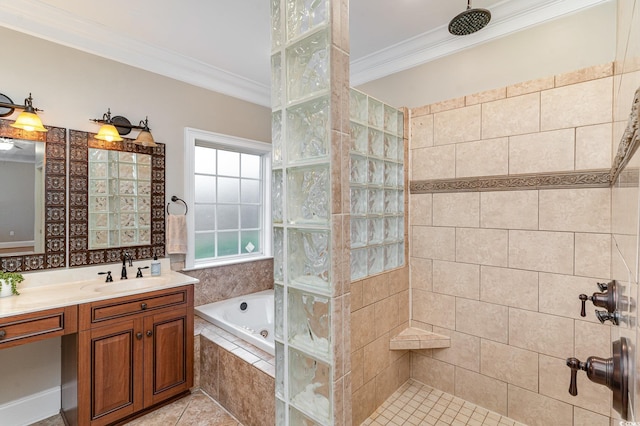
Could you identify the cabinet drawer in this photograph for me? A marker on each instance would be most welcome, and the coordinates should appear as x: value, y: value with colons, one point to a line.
x: 122, y: 307
x: 26, y: 328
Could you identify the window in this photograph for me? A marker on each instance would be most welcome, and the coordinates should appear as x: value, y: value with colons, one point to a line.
x: 227, y: 187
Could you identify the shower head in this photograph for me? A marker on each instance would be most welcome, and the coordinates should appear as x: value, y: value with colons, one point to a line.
x: 469, y: 21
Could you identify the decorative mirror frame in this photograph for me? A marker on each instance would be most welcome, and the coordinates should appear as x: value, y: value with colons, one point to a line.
x: 79, y: 253
x: 55, y: 196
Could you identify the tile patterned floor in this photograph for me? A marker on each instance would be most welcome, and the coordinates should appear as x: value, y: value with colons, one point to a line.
x: 418, y: 404
x: 197, y: 409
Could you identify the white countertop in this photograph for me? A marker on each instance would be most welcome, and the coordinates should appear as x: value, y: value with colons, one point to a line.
x: 72, y: 286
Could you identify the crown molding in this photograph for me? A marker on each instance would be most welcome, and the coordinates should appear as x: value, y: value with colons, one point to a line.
x: 507, y: 17
x: 58, y: 26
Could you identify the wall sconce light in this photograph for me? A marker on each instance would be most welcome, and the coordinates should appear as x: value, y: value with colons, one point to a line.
x: 112, y: 129
x: 28, y: 119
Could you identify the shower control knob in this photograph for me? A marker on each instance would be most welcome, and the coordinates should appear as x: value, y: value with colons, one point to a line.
x: 603, y: 316
x: 611, y: 372
x: 608, y: 299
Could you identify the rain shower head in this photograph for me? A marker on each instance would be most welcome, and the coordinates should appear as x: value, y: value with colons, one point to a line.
x: 469, y: 21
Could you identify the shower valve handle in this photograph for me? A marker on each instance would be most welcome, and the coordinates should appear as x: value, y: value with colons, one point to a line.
x: 574, y: 364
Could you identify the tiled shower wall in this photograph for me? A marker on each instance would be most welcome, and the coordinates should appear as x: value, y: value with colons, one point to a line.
x: 500, y: 272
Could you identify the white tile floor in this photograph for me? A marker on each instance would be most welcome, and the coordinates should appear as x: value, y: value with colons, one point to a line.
x: 418, y: 404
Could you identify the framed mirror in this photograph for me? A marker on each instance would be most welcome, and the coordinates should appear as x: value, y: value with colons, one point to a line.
x: 33, y: 200
x: 116, y: 200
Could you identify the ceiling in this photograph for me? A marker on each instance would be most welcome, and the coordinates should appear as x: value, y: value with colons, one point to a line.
x: 223, y: 45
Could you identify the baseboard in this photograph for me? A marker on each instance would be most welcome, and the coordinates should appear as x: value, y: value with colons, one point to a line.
x: 31, y: 408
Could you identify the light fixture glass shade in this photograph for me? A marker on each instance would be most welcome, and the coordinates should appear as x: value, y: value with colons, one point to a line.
x: 109, y: 133
x: 29, y: 121
x: 145, y: 138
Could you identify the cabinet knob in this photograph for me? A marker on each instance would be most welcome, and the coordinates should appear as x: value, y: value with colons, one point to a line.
x: 2, y: 334
x: 149, y: 333
x: 143, y: 306
x: 138, y: 335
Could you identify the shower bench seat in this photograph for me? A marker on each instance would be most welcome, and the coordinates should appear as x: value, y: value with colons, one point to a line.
x: 416, y: 338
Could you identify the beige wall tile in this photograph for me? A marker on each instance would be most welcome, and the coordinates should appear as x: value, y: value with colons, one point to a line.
x: 357, y: 369
x: 509, y: 364
x: 482, y: 319
x: 364, y: 402
x: 433, y: 308
x: 482, y: 246
x: 386, y: 315
x: 404, y: 301
x: 511, y: 116
x: 592, y: 339
x: 421, y: 273
x: 547, y: 334
x: 624, y: 209
x: 463, y: 352
x: 432, y: 372
x: 626, y: 85
x: 456, y: 125
x: 538, y: 410
x: 362, y: 333
x: 489, y: 157
x: 554, y: 380
x: 422, y: 110
x: 376, y: 357
x: 433, y: 243
x: 593, y: 147
x: 438, y: 162
x: 456, y: 209
x: 576, y: 105
x: 582, y: 417
x: 593, y: 255
x: 398, y: 280
x: 579, y: 210
x: 509, y: 209
x: 375, y: 289
x: 486, y: 96
x: 421, y: 131
x: 447, y: 105
x: 559, y: 295
x: 530, y: 86
x: 420, y: 208
x: 510, y: 287
x: 456, y: 279
x: 585, y: 74
x: 482, y: 390
x: 356, y: 295
x: 541, y: 251
x: 542, y: 152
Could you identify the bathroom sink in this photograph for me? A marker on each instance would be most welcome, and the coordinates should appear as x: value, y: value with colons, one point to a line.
x: 125, y: 285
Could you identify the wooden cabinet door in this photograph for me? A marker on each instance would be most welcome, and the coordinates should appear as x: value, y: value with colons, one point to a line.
x: 168, y: 354
x: 112, y: 361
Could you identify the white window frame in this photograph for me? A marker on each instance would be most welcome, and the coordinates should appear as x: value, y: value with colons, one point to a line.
x: 233, y: 143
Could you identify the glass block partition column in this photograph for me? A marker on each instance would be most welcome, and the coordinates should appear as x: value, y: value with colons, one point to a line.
x: 311, y: 210
x: 377, y: 186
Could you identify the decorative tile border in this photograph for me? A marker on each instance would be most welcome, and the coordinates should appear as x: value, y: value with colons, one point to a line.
x: 581, y: 179
x: 55, y: 198
x: 602, y: 178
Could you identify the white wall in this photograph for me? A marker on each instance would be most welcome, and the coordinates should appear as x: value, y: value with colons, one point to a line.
x: 72, y: 87
x: 566, y: 44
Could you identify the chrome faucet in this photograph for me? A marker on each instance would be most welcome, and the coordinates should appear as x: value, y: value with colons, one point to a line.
x: 125, y: 255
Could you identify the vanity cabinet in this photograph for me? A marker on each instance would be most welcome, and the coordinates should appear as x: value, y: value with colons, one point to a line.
x: 130, y: 354
x: 27, y: 328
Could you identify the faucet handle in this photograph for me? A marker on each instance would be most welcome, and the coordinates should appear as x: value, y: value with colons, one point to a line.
x: 574, y: 364
x: 139, y: 274
x: 603, y: 286
x: 603, y: 316
x: 109, y: 277
x: 583, y: 298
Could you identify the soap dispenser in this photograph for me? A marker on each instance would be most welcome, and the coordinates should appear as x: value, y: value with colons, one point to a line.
x: 155, y: 266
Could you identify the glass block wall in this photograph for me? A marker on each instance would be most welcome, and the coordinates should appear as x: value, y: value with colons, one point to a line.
x: 377, y: 186
x: 309, y: 68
